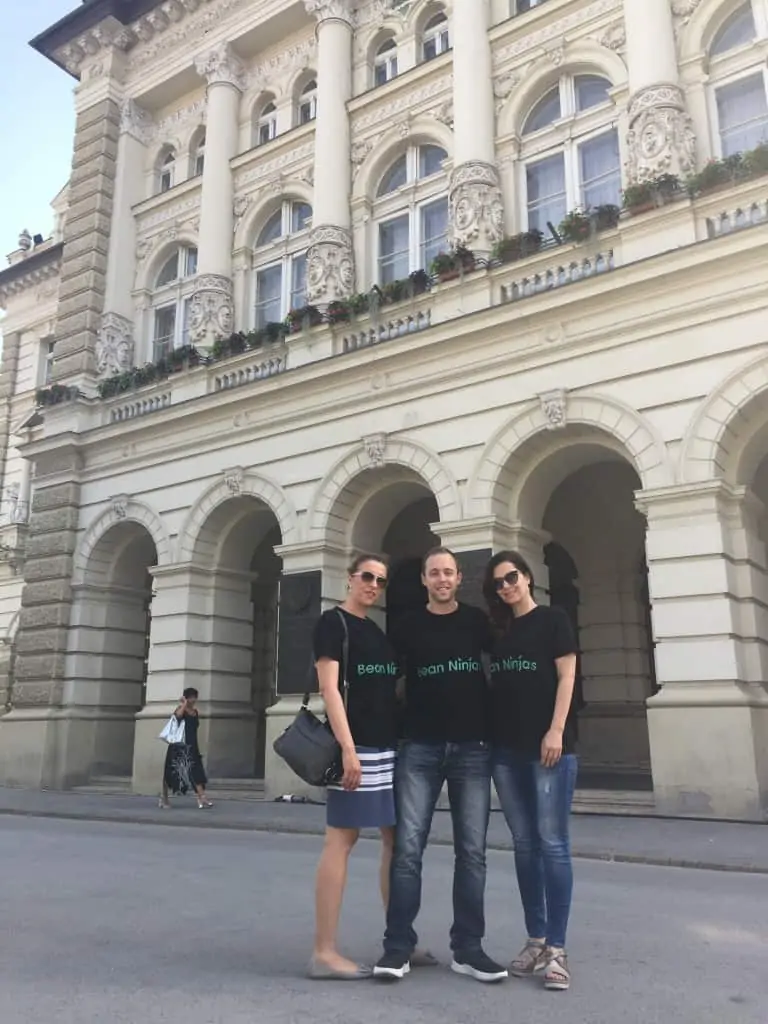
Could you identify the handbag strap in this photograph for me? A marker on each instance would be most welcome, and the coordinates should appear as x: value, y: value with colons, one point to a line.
x: 344, y: 665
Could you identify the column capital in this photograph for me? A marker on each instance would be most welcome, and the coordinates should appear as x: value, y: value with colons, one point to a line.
x: 661, y: 139
x: 477, y: 210
x: 682, y: 501
x: 330, y: 264
x: 221, y: 65
x: 330, y: 10
x: 135, y: 121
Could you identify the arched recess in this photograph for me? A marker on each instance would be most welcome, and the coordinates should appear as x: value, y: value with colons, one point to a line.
x: 158, y: 252
x: 421, y: 12
x: 720, y: 441
x: 705, y: 22
x: 235, y: 483
x: 582, y: 57
x: 257, y: 215
x: 337, y: 496
x: 503, y: 466
x: 422, y: 131
x: 121, y: 510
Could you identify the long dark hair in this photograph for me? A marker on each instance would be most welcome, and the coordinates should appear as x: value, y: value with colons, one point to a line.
x: 500, y: 613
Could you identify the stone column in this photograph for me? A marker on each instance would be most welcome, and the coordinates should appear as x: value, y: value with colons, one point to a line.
x: 708, y: 724
x: 477, y: 213
x: 330, y: 259
x: 212, y: 309
x: 661, y: 139
x: 115, y: 346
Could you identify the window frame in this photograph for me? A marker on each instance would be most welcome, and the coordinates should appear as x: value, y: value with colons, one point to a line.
x: 386, y: 57
x: 282, y: 252
x: 720, y: 83
x: 438, y: 32
x: 267, y: 118
x: 743, y: 61
x: 176, y: 295
x: 167, y: 170
x: 198, y: 156
x: 307, y: 98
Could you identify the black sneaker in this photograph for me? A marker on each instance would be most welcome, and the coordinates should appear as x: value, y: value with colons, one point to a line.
x: 478, y: 965
x: 392, y: 966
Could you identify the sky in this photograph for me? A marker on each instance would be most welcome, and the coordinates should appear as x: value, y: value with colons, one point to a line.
x: 37, y: 122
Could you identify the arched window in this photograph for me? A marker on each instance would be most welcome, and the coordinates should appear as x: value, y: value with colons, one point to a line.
x: 197, y: 155
x: 436, y: 37
x: 280, y: 262
x: 308, y: 102
x: 171, y: 298
x: 411, y: 226
x: 385, y: 62
x: 575, y: 162
x: 740, y: 85
x: 265, y: 123
x: 167, y: 171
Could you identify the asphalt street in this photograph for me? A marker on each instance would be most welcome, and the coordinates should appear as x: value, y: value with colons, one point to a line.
x: 105, y: 923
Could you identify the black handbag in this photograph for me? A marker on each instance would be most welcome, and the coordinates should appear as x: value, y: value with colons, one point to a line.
x: 308, y: 745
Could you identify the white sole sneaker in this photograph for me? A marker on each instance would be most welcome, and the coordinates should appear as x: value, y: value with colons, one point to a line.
x: 472, y: 972
x: 391, y: 973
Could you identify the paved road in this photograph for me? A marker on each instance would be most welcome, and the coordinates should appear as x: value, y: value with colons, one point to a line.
x: 137, y: 924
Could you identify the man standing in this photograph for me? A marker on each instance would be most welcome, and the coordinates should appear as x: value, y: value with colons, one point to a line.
x: 446, y: 740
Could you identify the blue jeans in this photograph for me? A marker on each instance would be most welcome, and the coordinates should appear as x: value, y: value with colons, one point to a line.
x: 421, y: 770
x: 536, y: 802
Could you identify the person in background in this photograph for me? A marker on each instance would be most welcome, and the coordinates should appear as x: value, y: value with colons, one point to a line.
x: 366, y: 730
x: 184, y: 768
x: 534, y: 761
x: 440, y: 647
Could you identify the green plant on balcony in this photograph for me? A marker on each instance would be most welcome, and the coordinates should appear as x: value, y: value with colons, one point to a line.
x: 755, y: 161
x: 648, y: 195
x: 338, y: 312
x: 175, y: 361
x: 56, y: 394
x: 234, y: 345
x: 605, y: 216
x: 449, y: 265
x: 359, y: 303
x: 576, y: 226
x: 517, y: 247
x: 306, y: 316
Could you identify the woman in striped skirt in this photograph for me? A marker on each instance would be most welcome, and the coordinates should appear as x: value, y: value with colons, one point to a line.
x: 366, y: 728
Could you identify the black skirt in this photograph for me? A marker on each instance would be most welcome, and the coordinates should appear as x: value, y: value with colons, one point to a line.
x: 183, y: 768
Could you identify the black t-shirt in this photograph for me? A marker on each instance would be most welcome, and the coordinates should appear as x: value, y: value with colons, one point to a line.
x: 372, y: 674
x: 446, y: 690
x: 524, y: 680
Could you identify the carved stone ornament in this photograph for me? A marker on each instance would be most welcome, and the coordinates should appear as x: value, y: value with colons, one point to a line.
x: 114, y: 347
x: 375, y: 446
x: 211, y: 313
x: 330, y: 264
x: 136, y: 121
x: 477, y: 211
x: 120, y: 506
x: 221, y: 64
x: 684, y: 8
x: 661, y: 139
x: 233, y: 478
x: 327, y: 10
x: 554, y: 407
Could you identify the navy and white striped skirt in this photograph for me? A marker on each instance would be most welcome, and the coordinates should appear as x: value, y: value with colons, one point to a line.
x: 372, y: 804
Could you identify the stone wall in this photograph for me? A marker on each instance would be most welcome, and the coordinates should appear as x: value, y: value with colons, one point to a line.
x: 10, y: 363
x: 86, y: 240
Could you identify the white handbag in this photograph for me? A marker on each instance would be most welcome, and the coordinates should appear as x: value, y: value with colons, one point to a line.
x: 173, y: 731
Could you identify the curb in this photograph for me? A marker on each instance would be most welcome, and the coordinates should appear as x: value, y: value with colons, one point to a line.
x: 287, y: 828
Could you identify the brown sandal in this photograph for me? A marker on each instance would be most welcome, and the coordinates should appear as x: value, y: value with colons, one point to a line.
x: 529, y: 960
x: 557, y: 977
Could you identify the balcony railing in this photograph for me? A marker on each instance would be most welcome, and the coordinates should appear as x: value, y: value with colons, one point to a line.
x: 558, y: 276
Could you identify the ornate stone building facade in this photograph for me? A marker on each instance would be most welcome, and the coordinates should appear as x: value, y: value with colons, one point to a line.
x: 326, y: 282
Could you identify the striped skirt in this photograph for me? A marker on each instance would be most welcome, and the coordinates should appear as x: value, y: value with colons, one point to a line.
x: 372, y: 804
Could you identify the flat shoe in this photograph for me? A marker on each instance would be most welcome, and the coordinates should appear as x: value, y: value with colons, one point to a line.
x: 318, y: 971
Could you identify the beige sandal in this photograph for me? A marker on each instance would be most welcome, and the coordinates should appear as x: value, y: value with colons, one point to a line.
x: 529, y: 960
x: 557, y: 977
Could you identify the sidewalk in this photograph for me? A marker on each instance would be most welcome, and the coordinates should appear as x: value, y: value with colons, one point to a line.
x: 720, y: 846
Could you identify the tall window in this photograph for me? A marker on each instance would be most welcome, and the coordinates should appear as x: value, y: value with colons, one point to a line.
x: 574, y: 162
x: 411, y: 212
x: 741, y: 85
x: 385, y: 62
x: 167, y: 171
x: 45, y: 369
x: 197, y: 160
x: 436, y: 38
x: 171, y: 301
x: 308, y: 102
x: 265, y: 123
x: 280, y: 260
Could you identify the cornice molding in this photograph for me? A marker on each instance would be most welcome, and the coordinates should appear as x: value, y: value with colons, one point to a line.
x: 30, y: 273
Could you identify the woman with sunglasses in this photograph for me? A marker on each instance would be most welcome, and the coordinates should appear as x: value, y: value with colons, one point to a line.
x: 533, y: 671
x: 366, y: 730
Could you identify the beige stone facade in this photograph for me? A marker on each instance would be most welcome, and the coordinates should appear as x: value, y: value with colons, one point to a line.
x: 596, y: 397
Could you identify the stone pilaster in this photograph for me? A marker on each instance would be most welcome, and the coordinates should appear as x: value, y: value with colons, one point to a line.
x: 212, y: 310
x: 86, y: 241
x: 661, y: 139
x: 477, y: 212
x: 330, y: 258
x: 8, y: 370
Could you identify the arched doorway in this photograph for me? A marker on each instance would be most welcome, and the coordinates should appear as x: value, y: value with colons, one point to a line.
x: 234, y: 553
x: 109, y: 647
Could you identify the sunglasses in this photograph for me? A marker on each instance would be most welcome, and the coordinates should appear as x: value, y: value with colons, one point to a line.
x: 511, y: 578
x: 371, y: 577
